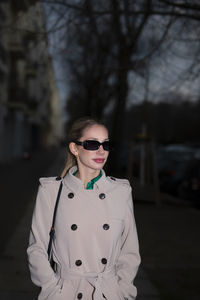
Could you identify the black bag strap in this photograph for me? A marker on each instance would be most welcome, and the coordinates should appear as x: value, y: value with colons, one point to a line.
x: 52, y: 231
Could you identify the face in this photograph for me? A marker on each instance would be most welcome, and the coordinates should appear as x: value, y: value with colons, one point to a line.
x: 92, y: 160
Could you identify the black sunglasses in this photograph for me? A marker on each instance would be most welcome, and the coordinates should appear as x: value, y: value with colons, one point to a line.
x: 94, y: 145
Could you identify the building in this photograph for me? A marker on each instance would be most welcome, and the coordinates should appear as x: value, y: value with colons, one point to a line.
x: 30, y: 115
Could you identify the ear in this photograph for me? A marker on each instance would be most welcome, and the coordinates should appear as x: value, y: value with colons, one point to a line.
x: 73, y: 148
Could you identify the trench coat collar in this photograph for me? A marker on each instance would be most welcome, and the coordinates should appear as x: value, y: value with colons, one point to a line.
x: 74, y: 183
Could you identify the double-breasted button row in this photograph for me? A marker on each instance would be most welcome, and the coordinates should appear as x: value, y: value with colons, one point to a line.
x: 78, y: 262
x: 79, y: 296
x: 104, y: 261
x: 71, y: 195
x: 74, y: 227
x: 101, y: 196
x: 105, y: 227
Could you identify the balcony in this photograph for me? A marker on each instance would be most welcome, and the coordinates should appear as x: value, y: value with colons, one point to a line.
x: 2, y: 13
x: 16, y: 52
x: 16, y: 94
x: 22, y: 5
x: 3, y: 59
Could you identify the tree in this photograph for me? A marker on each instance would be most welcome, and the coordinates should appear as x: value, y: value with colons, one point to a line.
x: 106, y: 40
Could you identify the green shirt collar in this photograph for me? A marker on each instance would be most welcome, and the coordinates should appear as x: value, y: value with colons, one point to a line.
x: 91, y: 183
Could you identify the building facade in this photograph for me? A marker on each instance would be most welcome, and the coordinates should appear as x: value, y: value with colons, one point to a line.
x: 30, y: 114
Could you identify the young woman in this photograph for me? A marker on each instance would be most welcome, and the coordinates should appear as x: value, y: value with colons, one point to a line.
x: 95, y: 248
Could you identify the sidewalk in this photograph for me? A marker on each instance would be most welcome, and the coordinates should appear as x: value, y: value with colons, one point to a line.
x: 170, y: 248
x: 15, y: 283
x: 15, y: 280
x: 19, y: 181
x: 146, y: 289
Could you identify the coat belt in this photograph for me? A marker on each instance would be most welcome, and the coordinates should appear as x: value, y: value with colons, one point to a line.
x: 95, y: 279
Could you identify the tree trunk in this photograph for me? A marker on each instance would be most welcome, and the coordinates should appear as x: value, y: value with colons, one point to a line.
x: 119, y: 114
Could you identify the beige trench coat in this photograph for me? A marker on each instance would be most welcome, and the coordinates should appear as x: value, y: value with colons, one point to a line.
x: 96, y: 245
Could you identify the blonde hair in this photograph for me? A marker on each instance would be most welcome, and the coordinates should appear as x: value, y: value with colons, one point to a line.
x: 75, y: 133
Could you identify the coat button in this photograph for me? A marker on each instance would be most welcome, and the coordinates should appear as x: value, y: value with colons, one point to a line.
x: 79, y: 296
x: 74, y: 227
x: 106, y: 226
x: 71, y: 195
x: 58, y: 178
x: 104, y: 261
x: 78, y: 263
x: 102, y: 196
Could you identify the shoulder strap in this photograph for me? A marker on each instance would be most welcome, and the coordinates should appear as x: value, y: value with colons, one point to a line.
x: 52, y: 231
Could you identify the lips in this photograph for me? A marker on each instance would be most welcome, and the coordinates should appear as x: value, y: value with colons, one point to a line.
x: 99, y: 160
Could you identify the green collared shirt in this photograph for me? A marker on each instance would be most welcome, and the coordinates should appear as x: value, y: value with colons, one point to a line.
x: 91, y: 183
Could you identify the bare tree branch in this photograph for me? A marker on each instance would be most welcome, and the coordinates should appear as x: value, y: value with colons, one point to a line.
x: 63, y: 3
x: 184, y: 5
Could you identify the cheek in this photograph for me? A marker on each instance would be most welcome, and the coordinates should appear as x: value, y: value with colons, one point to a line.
x: 86, y: 155
x: 107, y: 154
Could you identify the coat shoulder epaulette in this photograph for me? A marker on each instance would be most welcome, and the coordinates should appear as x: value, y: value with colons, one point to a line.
x: 119, y: 180
x: 49, y: 180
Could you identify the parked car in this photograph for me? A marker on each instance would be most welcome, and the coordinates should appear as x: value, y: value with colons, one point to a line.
x: 189, y: 188
x: 172, y: 162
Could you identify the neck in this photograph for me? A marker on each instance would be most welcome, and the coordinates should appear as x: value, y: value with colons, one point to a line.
x: 87, y: 176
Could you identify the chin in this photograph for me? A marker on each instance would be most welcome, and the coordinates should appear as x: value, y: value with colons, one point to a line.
x: 98, y: 167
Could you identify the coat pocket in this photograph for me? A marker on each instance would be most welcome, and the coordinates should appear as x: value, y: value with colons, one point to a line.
x: 112, y: 289
x: 52, y: 294
x: 118, y: 290
x: 66, y: 291
x: 62, y: 291
x: 117, y: 226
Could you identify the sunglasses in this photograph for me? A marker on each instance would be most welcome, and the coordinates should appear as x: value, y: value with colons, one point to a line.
x: 94, y: 145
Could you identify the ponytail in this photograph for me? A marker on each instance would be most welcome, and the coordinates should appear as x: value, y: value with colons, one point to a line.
x: 71, y: 161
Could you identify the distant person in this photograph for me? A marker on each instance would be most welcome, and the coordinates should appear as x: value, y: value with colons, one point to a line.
x: 95, y: 248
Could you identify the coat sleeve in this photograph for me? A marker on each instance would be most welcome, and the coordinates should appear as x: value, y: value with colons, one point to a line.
x: 129, y: 258
x: 41, y: 272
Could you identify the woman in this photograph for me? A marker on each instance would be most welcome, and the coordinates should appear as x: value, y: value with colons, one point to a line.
x: 95, y: 249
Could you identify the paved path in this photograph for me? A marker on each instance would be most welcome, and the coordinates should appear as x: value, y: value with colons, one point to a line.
x: 14, y: 278
x: 15, y: 281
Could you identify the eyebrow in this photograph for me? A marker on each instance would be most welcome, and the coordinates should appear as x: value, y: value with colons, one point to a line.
x: 95, y: 139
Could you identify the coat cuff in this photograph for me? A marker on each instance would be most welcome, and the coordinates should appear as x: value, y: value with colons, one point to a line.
x: 128, y: 290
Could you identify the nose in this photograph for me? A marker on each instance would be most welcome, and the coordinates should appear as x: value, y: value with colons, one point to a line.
x: 101, y: 150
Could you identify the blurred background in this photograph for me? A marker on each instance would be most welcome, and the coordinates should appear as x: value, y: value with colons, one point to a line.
x: 135, y: 66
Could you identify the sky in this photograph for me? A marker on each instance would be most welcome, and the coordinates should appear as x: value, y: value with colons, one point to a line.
x: 57, y: 44
x: 167, y: 72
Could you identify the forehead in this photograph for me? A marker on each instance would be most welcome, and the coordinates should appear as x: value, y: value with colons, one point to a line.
x: 95, y: 131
